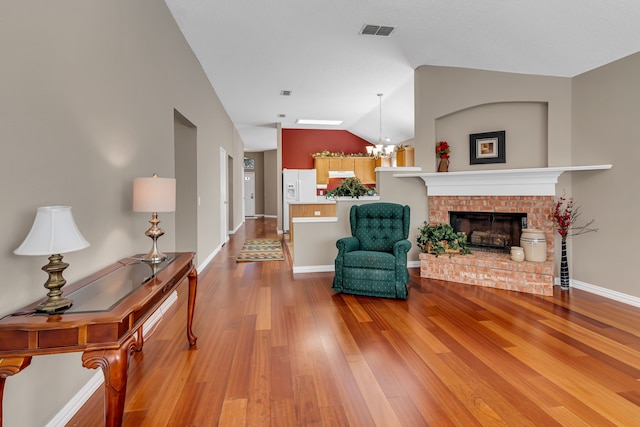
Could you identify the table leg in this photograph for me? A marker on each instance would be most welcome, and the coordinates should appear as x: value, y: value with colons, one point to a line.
x: 10, y: 366
x: 114, y: 364
x: 193, y: 286
x: 140, y: 340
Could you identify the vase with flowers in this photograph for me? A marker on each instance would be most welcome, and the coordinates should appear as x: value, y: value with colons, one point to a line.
x: 442, y: 151
x: 565, y: 216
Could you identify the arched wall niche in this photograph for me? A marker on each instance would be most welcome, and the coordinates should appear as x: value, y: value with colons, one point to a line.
x: 525, y: 124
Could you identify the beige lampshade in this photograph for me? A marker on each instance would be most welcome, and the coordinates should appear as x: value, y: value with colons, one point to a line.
x: 153, y: 194
x: 54, y: 231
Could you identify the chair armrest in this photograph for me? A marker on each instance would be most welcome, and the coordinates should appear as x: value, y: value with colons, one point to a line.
x: 401, y: 247
x: 347, y: 244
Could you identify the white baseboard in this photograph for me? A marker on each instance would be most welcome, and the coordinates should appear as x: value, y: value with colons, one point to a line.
x: 80, y: 398
x: 206, y: 262
x: 604, y: 292
x: 313, y: 269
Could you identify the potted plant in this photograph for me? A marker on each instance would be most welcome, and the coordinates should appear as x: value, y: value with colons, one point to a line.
x: 440, y: 238
x: 350, y: 187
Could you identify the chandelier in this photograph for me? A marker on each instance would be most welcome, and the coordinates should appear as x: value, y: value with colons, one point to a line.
x: 380, y: 150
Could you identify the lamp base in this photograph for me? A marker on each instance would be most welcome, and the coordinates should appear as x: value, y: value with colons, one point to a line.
x: 154, y: 256
x: 55, y: 306
x: 55, y: 302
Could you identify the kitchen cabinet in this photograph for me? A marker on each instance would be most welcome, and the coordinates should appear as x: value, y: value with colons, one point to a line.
x: 363, y: 168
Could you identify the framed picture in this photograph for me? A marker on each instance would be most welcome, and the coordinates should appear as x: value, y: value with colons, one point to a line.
x: 487, y: 147
x: 249, y: 163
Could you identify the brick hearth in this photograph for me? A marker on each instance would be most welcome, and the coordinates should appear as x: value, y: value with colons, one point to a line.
x: 490, y: 269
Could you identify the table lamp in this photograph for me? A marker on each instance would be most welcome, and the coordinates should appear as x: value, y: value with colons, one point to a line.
x: 154, y: 195
x: 54, y: 232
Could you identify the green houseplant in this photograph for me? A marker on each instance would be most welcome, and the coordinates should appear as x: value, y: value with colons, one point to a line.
x: 440, y: 238
x: 350, y: 187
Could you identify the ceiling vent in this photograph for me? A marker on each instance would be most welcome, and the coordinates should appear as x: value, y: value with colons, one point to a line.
x: 285, y: 92
x: 376, y: 30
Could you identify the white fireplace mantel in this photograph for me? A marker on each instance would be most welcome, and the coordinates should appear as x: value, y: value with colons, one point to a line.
x: 497, y: 182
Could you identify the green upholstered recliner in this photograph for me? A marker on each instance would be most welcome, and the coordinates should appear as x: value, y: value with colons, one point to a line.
x: 373, y: 261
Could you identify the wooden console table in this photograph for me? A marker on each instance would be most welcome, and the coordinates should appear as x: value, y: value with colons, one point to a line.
x: 104, y: 323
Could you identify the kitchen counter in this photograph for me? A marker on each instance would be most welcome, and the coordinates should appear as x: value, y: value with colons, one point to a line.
x: 320, y: 208
x: 319, y: 200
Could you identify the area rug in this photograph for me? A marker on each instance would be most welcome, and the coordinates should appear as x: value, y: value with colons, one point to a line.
x: 260, y: 250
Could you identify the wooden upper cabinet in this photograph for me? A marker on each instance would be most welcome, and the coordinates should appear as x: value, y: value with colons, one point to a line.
x: 363, y: 168
x: 335, y: 163
x: 347, y: 164
x: 321, y: 164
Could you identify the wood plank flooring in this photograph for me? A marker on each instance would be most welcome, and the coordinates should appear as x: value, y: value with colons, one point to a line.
x: 277, y: 349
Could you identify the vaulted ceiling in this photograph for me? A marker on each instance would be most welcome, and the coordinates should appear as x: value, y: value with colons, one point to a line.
x: 252, y: 50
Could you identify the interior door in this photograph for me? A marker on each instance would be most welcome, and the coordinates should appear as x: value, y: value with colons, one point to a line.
x: 224, y: 229
x: 249, y: 194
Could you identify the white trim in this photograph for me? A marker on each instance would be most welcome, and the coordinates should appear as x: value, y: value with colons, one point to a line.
x: 497, y: 182
x: 351, y: 199
x: 69, y: 410
x: 604, y: 292
x: 313, y: 269
x: 398, y: 169
x: 299, y: 219
x: 206, y: 262
x: 237, y: 228
x: 413, y: 264
x: 80, y: 398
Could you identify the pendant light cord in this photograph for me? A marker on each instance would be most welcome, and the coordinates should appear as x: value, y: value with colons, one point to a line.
x: 380, y: 136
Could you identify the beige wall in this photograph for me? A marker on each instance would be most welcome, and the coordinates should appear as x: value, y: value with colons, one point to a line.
x: 592, y: 119
x: 442, y: 91
x: 88, y: 97
x: 525, y: 124
x: 271, y: 173
x: 605, y: 131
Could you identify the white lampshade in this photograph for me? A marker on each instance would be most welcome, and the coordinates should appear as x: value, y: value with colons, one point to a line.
x: 54, y: 231
x: 369, y: 149
x: 154, y: 194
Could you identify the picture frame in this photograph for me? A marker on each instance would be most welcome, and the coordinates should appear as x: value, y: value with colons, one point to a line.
x: 249, y: 163
x: 487, y: 147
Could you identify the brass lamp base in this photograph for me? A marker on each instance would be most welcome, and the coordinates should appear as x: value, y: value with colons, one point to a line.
x: 55, y: 302
x: 154, y: 256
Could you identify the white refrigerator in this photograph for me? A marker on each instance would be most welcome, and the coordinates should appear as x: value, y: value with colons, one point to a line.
x: 299, y: 186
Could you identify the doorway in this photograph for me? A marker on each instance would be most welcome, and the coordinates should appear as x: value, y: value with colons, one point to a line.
x: 249, y: 194
x: 186, y: 173
x: 224, y: 202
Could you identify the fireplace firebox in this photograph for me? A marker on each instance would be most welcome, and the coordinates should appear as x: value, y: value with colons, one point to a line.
x: 490, y: 231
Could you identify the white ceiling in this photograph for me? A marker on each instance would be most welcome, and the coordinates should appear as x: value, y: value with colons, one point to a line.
x: 251, y: 50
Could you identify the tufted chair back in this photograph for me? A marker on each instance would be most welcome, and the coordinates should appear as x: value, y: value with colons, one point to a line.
x: 379, y: 226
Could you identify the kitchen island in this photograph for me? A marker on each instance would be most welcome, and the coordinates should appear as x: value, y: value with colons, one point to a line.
x: 320, y: 208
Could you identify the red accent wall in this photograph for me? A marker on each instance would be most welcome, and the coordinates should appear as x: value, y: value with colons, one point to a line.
x: 299, y: 144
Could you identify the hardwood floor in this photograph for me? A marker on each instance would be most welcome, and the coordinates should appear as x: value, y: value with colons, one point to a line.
x: 276, y: 349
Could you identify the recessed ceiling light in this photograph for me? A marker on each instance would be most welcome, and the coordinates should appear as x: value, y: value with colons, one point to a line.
x: 319, y: 122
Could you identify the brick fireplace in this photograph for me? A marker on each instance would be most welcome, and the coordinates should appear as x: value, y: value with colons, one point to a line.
x: 530, y: 190
x: 494, y: 270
